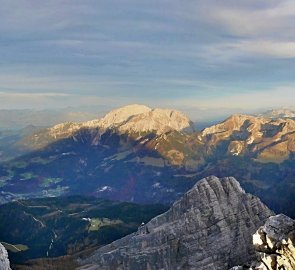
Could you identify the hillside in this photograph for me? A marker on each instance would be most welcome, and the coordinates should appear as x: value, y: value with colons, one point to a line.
x: 62, y: 226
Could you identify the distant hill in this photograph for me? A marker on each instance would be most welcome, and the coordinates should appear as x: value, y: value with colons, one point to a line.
x: 279, y: 113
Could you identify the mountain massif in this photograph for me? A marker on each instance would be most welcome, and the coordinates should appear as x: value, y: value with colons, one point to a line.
x: 146, y: 155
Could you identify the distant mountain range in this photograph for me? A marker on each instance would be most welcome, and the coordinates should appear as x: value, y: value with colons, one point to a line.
x: 146, y: 155
x: 279, y: 113
x: 19, y: 119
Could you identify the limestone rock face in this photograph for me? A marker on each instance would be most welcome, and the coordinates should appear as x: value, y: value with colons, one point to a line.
x: 139, y: 118
x: 275, y: 244
x: 4, y: 262
x: 210, y: 227
x: 120, y: 115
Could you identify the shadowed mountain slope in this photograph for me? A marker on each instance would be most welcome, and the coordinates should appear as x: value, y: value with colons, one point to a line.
x: 146, y: 155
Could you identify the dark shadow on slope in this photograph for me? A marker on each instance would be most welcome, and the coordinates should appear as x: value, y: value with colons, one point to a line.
x: 116, y: 167
x: 123, y: 167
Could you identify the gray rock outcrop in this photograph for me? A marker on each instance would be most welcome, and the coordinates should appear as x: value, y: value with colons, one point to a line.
x: 275, y: 244
x: 210, y: 227
x: 4, y: 261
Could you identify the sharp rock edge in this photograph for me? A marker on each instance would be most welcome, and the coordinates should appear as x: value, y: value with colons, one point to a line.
x: 274, y: 243
x: 4, y: 261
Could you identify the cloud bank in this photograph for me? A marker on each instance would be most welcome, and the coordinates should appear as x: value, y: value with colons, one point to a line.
x: 234, y: 54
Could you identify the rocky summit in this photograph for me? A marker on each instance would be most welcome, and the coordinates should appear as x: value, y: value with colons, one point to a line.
x: 4, y: 261
x: 210, y: 227
x: 275, y: 244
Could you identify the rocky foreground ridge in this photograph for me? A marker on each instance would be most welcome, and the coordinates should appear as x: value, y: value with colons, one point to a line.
x: 274, y: 243
x: 210, y: 227
x: 4, y: 261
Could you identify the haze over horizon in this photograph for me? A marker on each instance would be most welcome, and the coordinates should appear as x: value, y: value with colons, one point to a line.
x: 183, y: 54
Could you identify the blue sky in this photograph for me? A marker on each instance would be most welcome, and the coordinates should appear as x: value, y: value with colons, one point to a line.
x: 185, y: 54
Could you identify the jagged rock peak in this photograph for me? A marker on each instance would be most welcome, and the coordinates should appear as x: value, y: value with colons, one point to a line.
x: 210, y: 227
x: 275, y: 242
x: 4, y: 261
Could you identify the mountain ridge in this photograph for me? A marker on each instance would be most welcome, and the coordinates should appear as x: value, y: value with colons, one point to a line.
x: 210, y: 227
x: 128, y: 119
x: 147, y: 167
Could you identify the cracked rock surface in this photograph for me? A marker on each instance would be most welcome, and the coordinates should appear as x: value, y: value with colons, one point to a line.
x: 210, y: 227
x: 275, y: 244
x: 4, y: 261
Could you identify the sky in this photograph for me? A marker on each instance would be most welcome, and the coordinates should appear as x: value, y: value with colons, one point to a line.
x: 166, y: 53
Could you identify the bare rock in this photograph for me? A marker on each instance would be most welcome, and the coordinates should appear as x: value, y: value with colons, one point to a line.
x: 275, y: 244
x: 138, y: 118
x: 210, y: 227
x: 4, y: 261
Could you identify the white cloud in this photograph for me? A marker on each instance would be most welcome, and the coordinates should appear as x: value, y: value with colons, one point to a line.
x: 270, y: 48
x: 144, y: 48
x: 259, y: 18
x: 257, y: 49
x: 49, y: 100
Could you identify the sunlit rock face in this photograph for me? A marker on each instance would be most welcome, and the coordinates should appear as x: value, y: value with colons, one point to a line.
x: 140, y: 118
x: 4, y: 261
x: 269, y: 140
x: 275, y: 244
x: 128, y: 119
x: 210, y: 227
